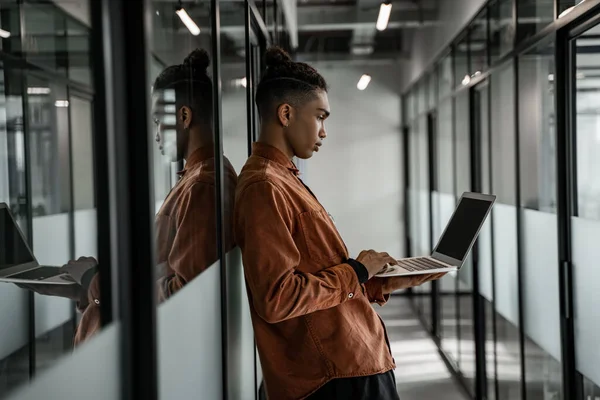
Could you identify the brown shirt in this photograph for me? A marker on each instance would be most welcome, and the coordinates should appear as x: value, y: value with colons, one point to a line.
x: 185, y: 229
x: 313, y: 320
x: 186, y: 223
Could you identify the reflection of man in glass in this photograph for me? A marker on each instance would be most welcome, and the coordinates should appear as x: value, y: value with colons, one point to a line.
x: 186, y: 223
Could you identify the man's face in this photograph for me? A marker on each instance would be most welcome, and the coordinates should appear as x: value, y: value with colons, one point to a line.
x: 169, y: 135
x: 307, y: 126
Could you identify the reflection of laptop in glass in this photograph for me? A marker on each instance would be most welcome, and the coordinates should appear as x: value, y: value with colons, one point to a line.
x: 454, y: 244
x: 17, y: 263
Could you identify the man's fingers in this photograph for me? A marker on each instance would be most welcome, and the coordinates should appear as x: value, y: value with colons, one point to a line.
x: 390, y: 260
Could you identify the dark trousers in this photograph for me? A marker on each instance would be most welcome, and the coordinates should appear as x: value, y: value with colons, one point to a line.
x: 373, y: 387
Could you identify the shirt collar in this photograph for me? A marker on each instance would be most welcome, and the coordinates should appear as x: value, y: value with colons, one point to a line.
x: 199, y: 155
x: 274, y: 154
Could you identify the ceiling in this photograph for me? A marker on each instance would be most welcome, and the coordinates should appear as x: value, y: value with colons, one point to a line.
x: 345, y: 29
x: 323, y: 30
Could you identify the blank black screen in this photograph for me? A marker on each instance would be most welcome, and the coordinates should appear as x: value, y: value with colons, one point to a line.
x: 463, y: 227
x: 13, y: 250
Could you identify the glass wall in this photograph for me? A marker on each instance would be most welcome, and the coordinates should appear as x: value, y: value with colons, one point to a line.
x: 465, y: 274
x: 481, y: 99
x: 537, y: 130
x: 443, y: 206
x: 47, y: 178
x: 542, y: 227
x: 504, y: 242
x: 585, y: 218
x: 110, y: 168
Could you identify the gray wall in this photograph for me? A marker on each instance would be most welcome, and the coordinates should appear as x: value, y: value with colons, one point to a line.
x: 427, y: 43
x: 358, y: 173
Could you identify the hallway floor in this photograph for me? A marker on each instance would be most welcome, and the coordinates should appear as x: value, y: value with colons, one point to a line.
x: 420, y: 371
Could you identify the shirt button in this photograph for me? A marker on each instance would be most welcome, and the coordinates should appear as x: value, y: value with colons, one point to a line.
x: 350, y: 295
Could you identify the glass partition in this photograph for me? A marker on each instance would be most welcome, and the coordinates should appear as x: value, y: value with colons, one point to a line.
x: 585, y: 218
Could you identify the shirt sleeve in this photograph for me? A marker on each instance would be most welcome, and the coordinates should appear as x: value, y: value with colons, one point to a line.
x: 194, y: 244
x: 374, y: 291
x: 263, y: 230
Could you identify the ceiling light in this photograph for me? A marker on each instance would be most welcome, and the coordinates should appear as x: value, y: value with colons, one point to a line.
x: 187, y: 20
x: 362, y: 50
x: 466, y: 80
x: 240, y: 82
x: 551, y: 77
x: 363, y: 82
x: 38, y: 90
x: 61, y: 103
x: 4, y: 34
x: 384, y: 16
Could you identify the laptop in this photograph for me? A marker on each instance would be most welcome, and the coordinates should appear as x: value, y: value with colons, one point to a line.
x: 455, y: 243
x: 17, y: 262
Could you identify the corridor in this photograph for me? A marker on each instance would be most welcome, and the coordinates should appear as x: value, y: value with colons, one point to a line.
x: 420, y: 373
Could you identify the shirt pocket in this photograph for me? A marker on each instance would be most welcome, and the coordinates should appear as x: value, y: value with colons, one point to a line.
x: 322, y: 240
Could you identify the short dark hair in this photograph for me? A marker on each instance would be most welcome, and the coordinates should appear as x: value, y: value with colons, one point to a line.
x: 192, y: 85
x: 286, y: 81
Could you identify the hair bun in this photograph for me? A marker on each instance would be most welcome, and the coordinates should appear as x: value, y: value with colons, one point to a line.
x: 277, y: 56
x: 197, y: 60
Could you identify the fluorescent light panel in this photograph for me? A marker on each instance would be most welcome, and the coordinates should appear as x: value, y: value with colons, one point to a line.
x: 363, y: 82
x: 38, y: 90
x: 61, y: 103
x: 187, y: 20
x: 385, y: 10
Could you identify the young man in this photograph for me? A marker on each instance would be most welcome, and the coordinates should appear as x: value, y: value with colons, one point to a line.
x: 317, y: 334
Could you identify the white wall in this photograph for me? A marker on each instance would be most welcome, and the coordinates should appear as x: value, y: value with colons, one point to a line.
x: 357, y: 175
x: 427, y: 43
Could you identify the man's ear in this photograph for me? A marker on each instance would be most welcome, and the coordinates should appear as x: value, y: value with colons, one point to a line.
x: 185, y: 117
x: 285, y: 114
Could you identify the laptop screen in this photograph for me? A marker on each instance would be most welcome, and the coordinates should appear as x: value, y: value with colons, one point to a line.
x: 462, y: 228
x: 13, y: 250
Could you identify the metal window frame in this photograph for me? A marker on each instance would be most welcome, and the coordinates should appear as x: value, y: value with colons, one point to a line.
x: 120, y: 38
x: 220, y: 188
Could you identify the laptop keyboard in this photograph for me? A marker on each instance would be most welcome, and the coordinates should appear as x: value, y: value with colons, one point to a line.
x: 420, y: 264
x: 38, y: 274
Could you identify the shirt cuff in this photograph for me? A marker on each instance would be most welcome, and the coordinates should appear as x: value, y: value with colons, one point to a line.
x: 374, y: 290
x: 361, y: 271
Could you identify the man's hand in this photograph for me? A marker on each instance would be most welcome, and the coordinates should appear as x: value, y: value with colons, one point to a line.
x: 394, y: 283
x: 374, y: 261
x: 82, y: 271
x: 78, y: 269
